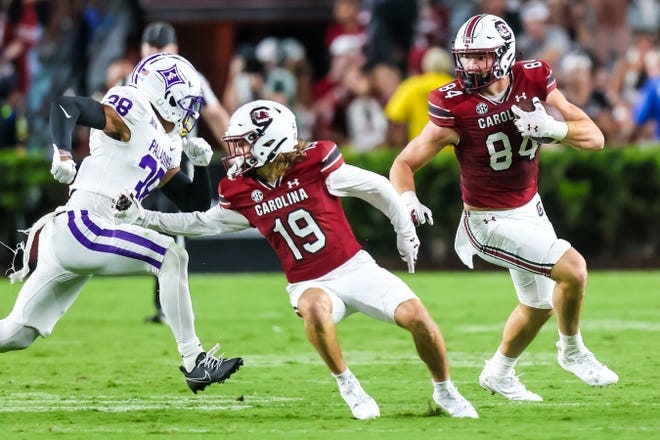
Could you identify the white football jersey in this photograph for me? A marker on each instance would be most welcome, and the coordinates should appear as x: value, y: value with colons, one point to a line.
x: 137, y: 165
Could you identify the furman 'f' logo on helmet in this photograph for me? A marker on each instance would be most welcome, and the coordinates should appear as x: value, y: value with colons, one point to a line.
x: 171, y: 76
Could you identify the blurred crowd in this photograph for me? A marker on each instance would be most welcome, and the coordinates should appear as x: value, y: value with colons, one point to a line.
x: 383, y: 57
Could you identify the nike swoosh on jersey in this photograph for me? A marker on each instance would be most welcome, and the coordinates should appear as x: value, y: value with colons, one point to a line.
x: 68, y: 116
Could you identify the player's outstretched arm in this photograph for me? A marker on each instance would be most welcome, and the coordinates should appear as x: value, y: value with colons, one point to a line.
x: 216, y: 220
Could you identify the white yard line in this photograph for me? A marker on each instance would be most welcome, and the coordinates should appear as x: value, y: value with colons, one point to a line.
x: 44, y: 402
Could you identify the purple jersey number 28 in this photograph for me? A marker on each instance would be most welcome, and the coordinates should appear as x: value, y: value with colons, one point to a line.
x: 144, y: 187
x: 122, y: 105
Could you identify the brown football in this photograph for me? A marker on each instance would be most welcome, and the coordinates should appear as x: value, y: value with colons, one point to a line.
x: 528, y: 106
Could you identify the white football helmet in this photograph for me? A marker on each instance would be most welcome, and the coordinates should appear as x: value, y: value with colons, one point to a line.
x: 172, y: 86
x: 257, y: 133
x: 484, y: 33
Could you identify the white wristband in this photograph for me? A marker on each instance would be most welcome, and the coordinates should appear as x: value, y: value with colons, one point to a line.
x: 557, y: 129
x: 409, y: 196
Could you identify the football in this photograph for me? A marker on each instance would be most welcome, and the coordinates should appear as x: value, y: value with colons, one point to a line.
x: 528, y: 106
x: 123, y: 203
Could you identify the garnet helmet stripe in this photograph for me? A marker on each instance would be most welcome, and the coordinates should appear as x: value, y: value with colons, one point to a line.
x: 469, y: 30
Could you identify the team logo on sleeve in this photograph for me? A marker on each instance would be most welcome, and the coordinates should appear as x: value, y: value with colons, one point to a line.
x: 257, y: 196
x: 539, y: 209
x: 171, y: 76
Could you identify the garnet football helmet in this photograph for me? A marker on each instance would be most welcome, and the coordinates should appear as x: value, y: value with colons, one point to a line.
x: 257, y: 133
x: 484, y: 34
x: 172, y: 86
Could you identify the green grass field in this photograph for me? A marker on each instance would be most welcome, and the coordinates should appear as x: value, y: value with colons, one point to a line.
x: 106, y: 374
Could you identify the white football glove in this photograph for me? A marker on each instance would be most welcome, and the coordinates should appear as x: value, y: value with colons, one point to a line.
x: 62, y: 170
x: 198, y: 151
x: 128, y: 209
x: 538, y: 123
x: 408, y: 246
x: 419, y: 213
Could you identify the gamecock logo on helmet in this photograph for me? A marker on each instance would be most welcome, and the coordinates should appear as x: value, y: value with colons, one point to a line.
x: 261, y: 117
x: 503, y: 30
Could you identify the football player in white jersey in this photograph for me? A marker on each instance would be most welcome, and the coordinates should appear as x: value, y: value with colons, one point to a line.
x: 135, y: 143
x: 160, y: 36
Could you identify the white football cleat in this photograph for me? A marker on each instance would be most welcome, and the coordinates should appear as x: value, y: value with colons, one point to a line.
x: 584, y: 365
x: 508, y: 386
x: 454, y: 403
x: 362, y: 405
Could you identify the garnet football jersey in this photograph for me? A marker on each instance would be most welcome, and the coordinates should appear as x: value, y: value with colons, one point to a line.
x: 302, y: 221
x: 499, y: 168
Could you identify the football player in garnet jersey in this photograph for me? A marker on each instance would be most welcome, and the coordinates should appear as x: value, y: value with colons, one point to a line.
x: 504, y: 221
x: 135, y: 143
x: 290, y: 191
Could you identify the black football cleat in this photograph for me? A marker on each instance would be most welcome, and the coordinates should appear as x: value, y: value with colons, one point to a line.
x: 209, y: 369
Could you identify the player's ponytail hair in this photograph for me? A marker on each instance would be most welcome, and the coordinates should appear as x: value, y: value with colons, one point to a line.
x: 281, y: 164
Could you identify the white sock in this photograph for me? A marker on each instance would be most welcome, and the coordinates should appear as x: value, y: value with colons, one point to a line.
x: 501, y: 365
x: 177, y: 305
x: 189, y: 352
x: 343, y: 377
x: 571, y: 343
x: 443, y: 386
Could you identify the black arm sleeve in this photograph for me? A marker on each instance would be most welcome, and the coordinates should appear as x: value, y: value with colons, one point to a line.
x: 189, y: 195
x: 67, y: 111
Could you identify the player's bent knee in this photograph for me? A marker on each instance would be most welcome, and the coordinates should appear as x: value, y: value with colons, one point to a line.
x: 571, y: 269
x: 178, y: 253
x: 15, y: 336
x: 411, y: 314
x: 314, y: 304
